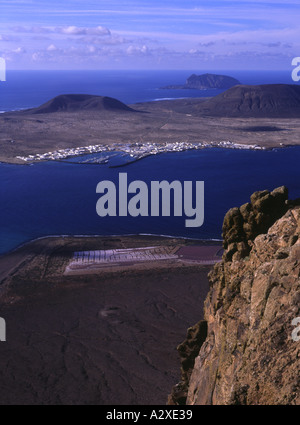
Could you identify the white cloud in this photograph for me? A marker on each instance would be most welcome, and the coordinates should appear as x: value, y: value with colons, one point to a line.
x: 134, y: 50
x: 67, y: 30
x: 19, y: 50
x: 111, y: 40
x: 8, y: 38
x: 32, y: 29
x: 51, y: 48
x: 73, y: 30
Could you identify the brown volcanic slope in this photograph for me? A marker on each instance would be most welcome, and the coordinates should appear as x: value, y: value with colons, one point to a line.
x: 264, y: 101
x: 244, y: 353
x: 70, y: 121
x: 104, y: 339
x: 80, y: 102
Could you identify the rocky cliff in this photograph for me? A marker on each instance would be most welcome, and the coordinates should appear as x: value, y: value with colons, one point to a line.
x: 244, y: 353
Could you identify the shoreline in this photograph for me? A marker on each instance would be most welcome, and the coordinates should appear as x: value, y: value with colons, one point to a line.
x: 132, y: 235
x: 126, y: 323
x: 10, y: 162
x: 167, y: 126
x: 46, y: 259
x: 29, y: 161
x: 134, y: 150
x: 64, y: 161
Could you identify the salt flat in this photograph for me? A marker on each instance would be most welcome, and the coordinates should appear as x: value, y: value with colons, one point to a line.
x: 107, y: 338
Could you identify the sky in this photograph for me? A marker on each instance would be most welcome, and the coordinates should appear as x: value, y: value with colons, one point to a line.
x: 149, y: 34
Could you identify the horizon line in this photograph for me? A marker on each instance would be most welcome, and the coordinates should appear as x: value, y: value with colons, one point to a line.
x: 153, y: 70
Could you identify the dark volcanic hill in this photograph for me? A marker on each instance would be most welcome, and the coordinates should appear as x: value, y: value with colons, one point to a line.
x: 211, y: 81
x: 207, y: 81
x: 80, y: 102
x: 264, y: 101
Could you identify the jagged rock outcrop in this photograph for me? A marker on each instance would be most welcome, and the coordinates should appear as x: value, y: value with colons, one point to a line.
x: 242, y: 225
x: 188, y: 351
x: 249, y: 356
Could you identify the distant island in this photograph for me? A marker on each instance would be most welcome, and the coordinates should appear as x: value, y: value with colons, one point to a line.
x: 253, y: 117
x: 206, y: 81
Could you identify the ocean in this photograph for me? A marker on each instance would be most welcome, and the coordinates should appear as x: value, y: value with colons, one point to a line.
x: 27, y: 89
x: 52, y: 198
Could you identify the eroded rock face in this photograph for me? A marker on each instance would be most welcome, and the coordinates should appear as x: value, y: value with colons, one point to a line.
x: 242, y: 225
x: 249, y: 356
x: 188, y: 351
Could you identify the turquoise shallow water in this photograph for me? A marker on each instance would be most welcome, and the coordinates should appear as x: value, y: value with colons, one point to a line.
x: 60, y: 198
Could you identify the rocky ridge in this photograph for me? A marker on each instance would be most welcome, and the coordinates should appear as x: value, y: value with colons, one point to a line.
x: 248, y: 356
x: 260, y: 101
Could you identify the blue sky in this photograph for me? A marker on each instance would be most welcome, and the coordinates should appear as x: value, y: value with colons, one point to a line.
x: 144, y: 34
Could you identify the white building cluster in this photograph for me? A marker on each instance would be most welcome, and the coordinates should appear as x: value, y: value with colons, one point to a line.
x: 135, y: 150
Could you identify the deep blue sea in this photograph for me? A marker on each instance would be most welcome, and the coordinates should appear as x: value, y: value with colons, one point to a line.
x: 27, y: 89
x: 60, y: 198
